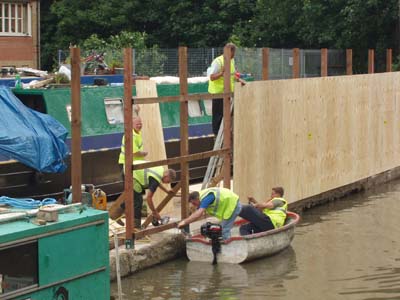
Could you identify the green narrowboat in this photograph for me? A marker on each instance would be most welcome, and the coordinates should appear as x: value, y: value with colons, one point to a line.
x: 102, y: 130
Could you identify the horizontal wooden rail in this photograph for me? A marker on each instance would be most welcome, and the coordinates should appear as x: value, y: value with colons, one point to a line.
x: 190, y: 97
x: 179, y: 159
x: 143, y: 233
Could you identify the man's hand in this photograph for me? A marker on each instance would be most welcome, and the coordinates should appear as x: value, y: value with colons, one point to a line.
x: 156, y: 215
x: 252, y: 200
x: 181, y: 224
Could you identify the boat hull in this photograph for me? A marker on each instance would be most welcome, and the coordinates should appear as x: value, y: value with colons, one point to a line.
x: 241, y: 249
x: 99, y: 167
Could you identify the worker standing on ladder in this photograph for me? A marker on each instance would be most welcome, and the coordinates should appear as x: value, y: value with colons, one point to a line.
x: 216, y: 85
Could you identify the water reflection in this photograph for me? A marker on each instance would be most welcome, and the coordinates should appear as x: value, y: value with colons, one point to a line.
x: 183, y: 279
x: 231, y: 281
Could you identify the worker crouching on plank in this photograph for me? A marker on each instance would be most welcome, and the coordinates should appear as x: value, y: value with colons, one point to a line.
x: 219, y: 202
x: 151, y: 179
x: 265, y: 215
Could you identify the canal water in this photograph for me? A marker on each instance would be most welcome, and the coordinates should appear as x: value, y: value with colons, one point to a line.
x: 347, y: 249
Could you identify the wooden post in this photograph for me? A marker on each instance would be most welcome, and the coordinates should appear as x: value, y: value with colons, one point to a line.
x: 324, y: 62
x: 296, y: 63
x: 184, y: 131
x: 128, y: 187
x: 227, y: 117
x: 349, y: 61
x: 388, y: 60
x: 76, y: 159
x: 371, y: 61
x: 265, y: 63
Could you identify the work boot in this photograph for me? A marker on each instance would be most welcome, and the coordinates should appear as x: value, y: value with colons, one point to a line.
x: 138, y: 224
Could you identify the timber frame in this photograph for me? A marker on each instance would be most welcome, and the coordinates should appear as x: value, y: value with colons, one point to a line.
x: 184, y: 158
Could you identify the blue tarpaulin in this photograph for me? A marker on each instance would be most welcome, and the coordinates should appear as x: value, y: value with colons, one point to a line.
x: 34, y: 139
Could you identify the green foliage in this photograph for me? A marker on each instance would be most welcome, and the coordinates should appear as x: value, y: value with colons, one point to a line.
x: 115, y: 24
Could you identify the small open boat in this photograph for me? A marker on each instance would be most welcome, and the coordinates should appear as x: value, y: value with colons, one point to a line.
x: 239, y: 249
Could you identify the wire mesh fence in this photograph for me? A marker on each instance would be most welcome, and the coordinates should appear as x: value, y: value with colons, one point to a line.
x: 165, y: 62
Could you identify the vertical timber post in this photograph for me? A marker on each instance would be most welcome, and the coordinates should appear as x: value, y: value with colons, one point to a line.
x: 371, y: 61
x: 184, y: 131
x: 76, y: 159
x: 296, y: 63
x: 389, y: 60
x: 324, y: 62
x: 227, y: 117
x: 265, y: 63
x: 349, y: 61
x: 128, y: 183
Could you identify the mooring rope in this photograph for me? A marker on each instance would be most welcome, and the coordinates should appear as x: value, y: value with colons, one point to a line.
x: 26, y: 203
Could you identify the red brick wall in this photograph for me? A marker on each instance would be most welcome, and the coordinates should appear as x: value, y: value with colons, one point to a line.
x: 16, y: 48
x: 21, y: 51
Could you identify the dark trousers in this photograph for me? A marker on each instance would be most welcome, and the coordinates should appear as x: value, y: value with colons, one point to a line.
x: 217, y: 114
x: 137, y: 205
x: 258, y: 221
x: 137, y: 199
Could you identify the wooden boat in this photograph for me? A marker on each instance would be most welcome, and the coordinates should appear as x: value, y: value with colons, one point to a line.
x: 101, y: 139
x: 239, y: 249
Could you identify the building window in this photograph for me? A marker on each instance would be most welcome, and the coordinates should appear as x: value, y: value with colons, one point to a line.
x: 15, y: 19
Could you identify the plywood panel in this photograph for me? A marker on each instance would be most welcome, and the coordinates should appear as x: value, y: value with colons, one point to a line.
x: 313, y: 135
x: 153, y: 138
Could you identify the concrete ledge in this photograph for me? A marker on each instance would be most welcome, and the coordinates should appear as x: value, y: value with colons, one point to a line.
x: 163, y: 247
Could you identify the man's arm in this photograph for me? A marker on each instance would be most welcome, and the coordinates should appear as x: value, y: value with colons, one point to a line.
x: 193, y: 217
x: 150, y: 204
x: 140, y: 153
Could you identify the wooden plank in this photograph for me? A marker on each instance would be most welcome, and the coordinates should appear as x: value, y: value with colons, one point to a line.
x: 184, y: 131
x: 296, y: 63
x: 141, y: 234
x: 152, y: 131
x: 166, y: 99
x: 128, y: 185
x: 389, y: 60
x: 324, y: 62
x: 326, y: 133
x: 179, y: 159
x: 226, y: 168
x: 265, y: 63
x: 349, y: 62
x: 76, y: 159
x: 371, y: 61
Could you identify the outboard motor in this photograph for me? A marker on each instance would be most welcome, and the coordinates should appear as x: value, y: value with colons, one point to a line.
x: 214, y: 233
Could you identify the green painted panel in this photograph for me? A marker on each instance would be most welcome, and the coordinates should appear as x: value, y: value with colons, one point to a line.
x: 20, y: 229
x: 92, y: 287
x: 73, y: 253
x: 170, y: 112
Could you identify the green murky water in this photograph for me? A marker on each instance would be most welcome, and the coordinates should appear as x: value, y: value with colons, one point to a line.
x: 348, y: 249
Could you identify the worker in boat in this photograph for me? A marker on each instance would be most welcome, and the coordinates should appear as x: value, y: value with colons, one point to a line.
x: 265, y: 215
x: 219, y: 202
x: 216, y: 85
x: 137, y: 141
x: 150, y: 179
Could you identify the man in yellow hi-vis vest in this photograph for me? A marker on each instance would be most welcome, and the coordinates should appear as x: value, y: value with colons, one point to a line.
x: 149, y: 179
x: 137, y: 141
x: 216, y: 85
x: 265, y: 215
x: 219, y: 202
